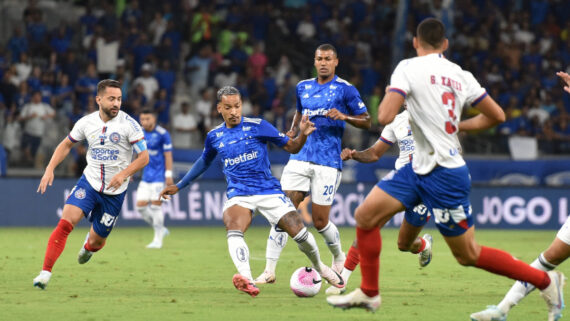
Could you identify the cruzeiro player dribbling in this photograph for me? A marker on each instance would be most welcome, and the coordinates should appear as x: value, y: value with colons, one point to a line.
x: 242, y: 144
x: 112, y: 135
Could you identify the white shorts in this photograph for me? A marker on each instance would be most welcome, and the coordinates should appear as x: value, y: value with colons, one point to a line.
x: 272, y: 206
x: 149, y: 192
x: 564, y: 232
x: 322, y: 181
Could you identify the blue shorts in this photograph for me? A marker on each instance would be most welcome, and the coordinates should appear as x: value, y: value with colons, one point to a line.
x: 417, y: 216
x: 444, y: 191
x: 102, y: 210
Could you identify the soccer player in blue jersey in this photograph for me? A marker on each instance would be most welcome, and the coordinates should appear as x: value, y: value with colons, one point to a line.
x: 329, y: 101
x: 111, y: 135
x: 242, y: 145
x: 158, y: 170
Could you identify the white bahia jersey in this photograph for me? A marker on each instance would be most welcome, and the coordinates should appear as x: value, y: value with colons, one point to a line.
x: 436, y: 90
x: 399, y: 131
x: 110, y: 147
x: 243, y: 152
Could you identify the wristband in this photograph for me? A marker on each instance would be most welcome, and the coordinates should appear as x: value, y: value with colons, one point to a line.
x: 168, y: 173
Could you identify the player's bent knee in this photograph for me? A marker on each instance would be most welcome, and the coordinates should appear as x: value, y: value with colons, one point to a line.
x: 466, y: 259
x: 292, y: 223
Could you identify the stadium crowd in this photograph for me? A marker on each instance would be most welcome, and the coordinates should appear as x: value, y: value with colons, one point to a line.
x: 172, y: 56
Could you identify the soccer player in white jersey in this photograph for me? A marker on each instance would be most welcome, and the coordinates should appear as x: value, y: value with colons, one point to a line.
x: 435, y: 91
x: 555, y: 254
x: 242, y: 145
x: 329, y: 102
x: 398, y: 131
x: 158, y: 170
x: 111, y: 135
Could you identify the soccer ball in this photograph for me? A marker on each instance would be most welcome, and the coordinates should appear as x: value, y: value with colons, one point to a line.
x: 305, y: 282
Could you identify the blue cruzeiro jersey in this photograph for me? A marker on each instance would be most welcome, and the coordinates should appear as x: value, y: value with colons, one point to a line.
x: 243, y: 151
x: 323, y: 146
x: 157, y: 142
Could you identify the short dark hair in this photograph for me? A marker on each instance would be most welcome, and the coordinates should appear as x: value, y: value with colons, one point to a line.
x: 227, y: 91
x: 327, y: 47
x: 103, y: 84
x: 147, y: 110
x: 431, y: 32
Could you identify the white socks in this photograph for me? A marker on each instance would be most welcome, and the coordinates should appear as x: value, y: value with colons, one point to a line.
x: 145, y: 213
x: 345, y: 275
x: 307, y: 244
x: 520, y: 289
x: 332, y: 238
x: 275, y: 244
x: 157, y: 221
x: 239, y: 253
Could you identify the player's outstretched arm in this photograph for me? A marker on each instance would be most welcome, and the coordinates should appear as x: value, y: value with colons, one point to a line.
x: 359, y: 121
x: 491, y: 115
x: 58, y: 156
x: 167, y: 191
x: 199, y: 167
x: 369, y: 155
x: 306, y: 127
x: 168, y: 167
x: 139, y: 163
x: 389, y: 106
x: 566, y: 77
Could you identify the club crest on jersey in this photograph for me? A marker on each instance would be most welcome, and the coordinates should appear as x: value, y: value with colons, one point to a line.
x: 80, y: 193
x: 115, y: 138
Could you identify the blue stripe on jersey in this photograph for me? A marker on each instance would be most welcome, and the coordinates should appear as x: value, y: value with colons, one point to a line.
x: 72, y: 139
x: 243, y: 152
x: 478, y: 100
x: 157, y: 142
x: 399, y: 91
x: 323, y: 146
x: 386, y: 141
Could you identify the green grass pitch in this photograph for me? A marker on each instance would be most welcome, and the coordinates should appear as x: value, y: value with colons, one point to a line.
x: 190, y: 279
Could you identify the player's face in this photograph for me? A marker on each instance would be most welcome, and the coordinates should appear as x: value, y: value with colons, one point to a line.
x: 148, y: 121
x: 230, y: 108
x: 325, y: 63
x: 110, y: 101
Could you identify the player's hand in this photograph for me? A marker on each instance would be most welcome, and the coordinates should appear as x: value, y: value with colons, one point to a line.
x: 347, y: 154
x: 335, y: 114
x: 169, y: 181
x: 291, y: 133
x: 566, y: 77
x: 167, y: 191
x: 47, y: 179
x: 306, y: 127
x: 117, y: 181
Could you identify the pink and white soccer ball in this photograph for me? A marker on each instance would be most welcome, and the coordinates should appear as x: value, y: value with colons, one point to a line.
x: 305, y: 282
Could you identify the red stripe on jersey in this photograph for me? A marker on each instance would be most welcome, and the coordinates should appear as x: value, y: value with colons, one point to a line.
x: 102, y: 178
x: 136, y: 141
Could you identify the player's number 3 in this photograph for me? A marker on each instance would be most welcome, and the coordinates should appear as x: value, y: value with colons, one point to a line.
x: 448, y: 100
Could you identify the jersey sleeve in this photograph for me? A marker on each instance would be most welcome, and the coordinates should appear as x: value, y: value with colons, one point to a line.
x: 353, y: 101
x: 299, y: 106
x: 209, y: 152
x: 475, y: 93
x: 388, y: 136
x: 399, y: 82
x: 269, y: 133
x: 135, y: 132
x: 78, y: 131
x: 166, y: 142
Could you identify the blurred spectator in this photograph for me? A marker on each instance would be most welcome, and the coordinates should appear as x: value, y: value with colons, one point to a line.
x: 17, y: 44
x: 107, y: 55
x: 197, y: 70
x: 204, y: 105
x: 34, y: 115
x: 148, y: 82
x: 87, y: 85
x: 185, y: 132
x: 162, y: 108
x: 11, y: 138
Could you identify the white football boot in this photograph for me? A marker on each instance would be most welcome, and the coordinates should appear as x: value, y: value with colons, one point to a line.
x: 42, y: 279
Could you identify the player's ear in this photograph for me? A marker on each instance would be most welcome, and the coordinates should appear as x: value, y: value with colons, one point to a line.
x: 415, y: 42
x: 445, y: 44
